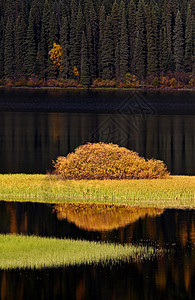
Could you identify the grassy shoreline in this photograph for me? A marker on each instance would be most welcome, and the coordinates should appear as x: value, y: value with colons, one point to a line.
x: 19, y: 251
x: 173, y: 192
x: 164, y: 89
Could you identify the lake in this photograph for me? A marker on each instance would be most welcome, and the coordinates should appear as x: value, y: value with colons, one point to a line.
x: 170, y: 276
x: 36, y: 126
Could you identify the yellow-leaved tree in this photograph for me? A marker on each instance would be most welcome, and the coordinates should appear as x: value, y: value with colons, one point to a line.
x: 56, y: 55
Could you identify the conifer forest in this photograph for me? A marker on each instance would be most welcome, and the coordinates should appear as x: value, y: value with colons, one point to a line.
x: 97, y: 42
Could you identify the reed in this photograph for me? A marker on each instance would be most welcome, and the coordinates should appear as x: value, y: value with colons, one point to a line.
x: 18, y: 251
x: 172, y: 192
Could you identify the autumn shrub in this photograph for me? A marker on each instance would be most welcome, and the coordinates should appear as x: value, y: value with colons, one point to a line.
x: 191, y: 83
x: 107, y: 161
x: 9, y: 82
x: 104, y: 83
x: 156, y: 82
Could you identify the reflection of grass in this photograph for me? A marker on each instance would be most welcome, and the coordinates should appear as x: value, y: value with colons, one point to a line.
x: 18, y: 251
x: 100, y: 217
x: 176, y: 191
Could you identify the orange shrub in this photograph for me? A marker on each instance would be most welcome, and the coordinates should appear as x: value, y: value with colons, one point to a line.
x: 107, y: 161
x: 104, y: 83
x: 192, y: 83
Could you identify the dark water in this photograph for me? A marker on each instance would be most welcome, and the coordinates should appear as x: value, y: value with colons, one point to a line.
x: 168, y: 277
x: 36, y: 126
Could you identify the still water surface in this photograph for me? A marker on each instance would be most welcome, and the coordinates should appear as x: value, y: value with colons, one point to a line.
x: 36, y: 126
x: 170, y: 276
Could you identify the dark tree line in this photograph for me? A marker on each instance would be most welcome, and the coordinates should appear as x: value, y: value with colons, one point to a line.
x: 101, y: 38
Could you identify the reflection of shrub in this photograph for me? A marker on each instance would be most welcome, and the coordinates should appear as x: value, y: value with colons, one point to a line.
x: 107, y: 161
x: 101, y: 217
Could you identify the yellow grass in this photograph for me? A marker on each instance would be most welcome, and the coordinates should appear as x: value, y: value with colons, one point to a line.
x: 173, y: 192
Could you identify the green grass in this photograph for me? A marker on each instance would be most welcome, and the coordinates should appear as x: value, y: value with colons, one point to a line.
x: 173, y: 192
x: 18, y: 251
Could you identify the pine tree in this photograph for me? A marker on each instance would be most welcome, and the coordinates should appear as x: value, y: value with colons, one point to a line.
x: 124, y: 49
x: 166, y: 49
x: 36, y: 14
x: 72, y: 38
x: 9, y: 50
x: 53, y: 38
x: 90, y: 50
x: 132, y: 34
x: 189, y: 40
x: 42, y: 56
x: 95, y: 40
x: 107, y: 54
x: 116, y: 35
x: 78, y: 40
x: 45, y: 21
x: 151, y: 47
x: 140, y: 42
x: 30, y: 56
x: 19, y: 46
x: 178, y: 43
x: 156, y: 31
x: 85, y: 70
x: 1, y: 48
x: 101, y: 38
x: 64, y: 42
x: 43, y: 47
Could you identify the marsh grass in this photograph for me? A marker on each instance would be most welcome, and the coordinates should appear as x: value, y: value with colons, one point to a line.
x: 18, y: 251
x: 172, y: 192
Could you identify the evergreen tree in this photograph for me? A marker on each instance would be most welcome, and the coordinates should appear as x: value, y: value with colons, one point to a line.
x: 72, y: 38
x: 116, y: 36
x: 19, y: 46
x: 1, y: 48
x: 140, y: 42
x: 124, y: 49
x: 64, y: 42
x: 45, y: 21
x: 53, y: 38
x: 36, y: 14
x: 90, y: 50
x: 156, y: 39
x: 156, y: 32
x: 189, y: 40
x: 85, y: 70
x: 107, y: 51
x: 30, y: 56
x: 166, y: 49
x: 43, y: 48
x: 77, y: 46
x: 95, y: 40
x: 115, y: 22
x: 101, y: 38
x: 132, y: 34
x: 9, y: 50
x: 178, y: 43
x: 42, y: 57
x: 9, y: 11
x: 151, y: 46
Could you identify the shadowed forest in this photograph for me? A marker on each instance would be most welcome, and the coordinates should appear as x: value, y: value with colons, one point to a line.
x: 124, y: 43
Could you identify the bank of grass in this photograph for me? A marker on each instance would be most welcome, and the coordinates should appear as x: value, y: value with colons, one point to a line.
x: 172, y: 192
x: 17, y: 251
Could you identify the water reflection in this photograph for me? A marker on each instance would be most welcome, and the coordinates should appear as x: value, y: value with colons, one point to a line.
x: 169, y: 276
x: 154, y: 125
x: 150, y: 280
x: 93, y: 217
x: 100, y: 222
x: 30, y: 141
